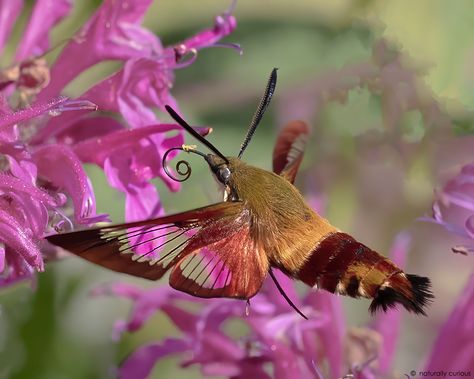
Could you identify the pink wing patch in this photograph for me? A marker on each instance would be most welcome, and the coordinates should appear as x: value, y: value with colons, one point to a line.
x: 232, y: 266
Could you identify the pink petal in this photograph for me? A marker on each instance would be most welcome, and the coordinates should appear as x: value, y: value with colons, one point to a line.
x: 454, y: 206
x: 437, y: 215
x: 141, y: 203
x: 97, y: 150
x: 10, y: 183
x: 59, y: 165
x: 317, y: 373
x: 141, y: 83
x: 453, y: 349
x: 331, y: 336
x: 46, y: 14
x: 388, y: 323
x: 286, y: 323
x: 91, y: 128
x: 148, y: 304
x: 469, y: 226
x: 19, y: 239
x: 23, y: 169
x: 217, y: 347
x: 252, y: 367
x: 130, y: 91
x: 148, y: 301
x: 128, y: 168
x: 111, y: 33
x: 274, y: 296
x: 460, y: 189
x: 286, y: 364
x: 215, y: 313
x: 140, y: 363
x: 120, y: 327
x: 4, y: 106
x: 51, y: 108
x: 222, y: 369
x: 184, y: 320
x: 452, y: 228
x: 217, y: 354
x: 28, y: 211
x: 223, y: 26
x: 9, y: 12
x: 37, y: 109
x: 16, y: 269
x: 2, y: 259
x: 464, y: 200
x: 19, y: 159
x: 125, y: 290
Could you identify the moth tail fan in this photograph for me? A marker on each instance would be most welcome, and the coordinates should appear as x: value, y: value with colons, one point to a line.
x: 413, y: 292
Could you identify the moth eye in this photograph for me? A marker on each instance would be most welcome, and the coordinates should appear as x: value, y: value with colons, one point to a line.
x: 224, y: 175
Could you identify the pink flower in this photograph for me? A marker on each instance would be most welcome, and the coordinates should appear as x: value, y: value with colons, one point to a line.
x: 453, y: 350
x: 31, y: 190
x: 294, y: 347
x: 43, y: 186
x: 454, y: 208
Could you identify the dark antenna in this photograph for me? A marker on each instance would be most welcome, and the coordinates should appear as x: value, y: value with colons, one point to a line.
x: 195, y: 134
x: 282, y: 292
x: 262, y: 107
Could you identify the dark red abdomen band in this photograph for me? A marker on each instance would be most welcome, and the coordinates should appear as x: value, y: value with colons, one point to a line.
x: 341, y: 264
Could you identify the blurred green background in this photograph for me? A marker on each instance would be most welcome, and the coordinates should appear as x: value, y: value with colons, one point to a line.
x: 370, y: 189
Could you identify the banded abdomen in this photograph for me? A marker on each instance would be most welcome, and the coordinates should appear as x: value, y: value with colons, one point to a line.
x: 307, y: 247
x: 340, y: 264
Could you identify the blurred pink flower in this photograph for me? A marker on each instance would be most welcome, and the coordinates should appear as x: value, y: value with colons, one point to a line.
x: 454, y: 208
x: 453, y: 349
x: 295, y: 348
x: 43, y: 146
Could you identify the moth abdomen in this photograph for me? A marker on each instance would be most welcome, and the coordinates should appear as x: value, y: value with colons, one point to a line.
x: 340, y: 264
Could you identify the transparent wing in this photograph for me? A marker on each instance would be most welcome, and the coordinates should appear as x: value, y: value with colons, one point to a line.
x: 146, y: 249
x: 211, y: 249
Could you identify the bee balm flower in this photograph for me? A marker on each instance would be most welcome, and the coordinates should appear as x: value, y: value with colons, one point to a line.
x: 45, y: 137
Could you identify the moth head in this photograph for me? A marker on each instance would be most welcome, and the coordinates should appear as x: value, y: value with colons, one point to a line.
x: 220, y: 168
x: 219, y: 164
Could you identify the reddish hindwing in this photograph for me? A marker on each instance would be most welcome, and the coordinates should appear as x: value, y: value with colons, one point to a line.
x: 289, y: 149
x: 222, y: 260
x: 340, y: 264
x: 211, y: 250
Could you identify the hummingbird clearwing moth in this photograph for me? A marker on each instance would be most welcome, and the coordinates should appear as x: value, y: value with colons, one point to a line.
x: 227, y: 249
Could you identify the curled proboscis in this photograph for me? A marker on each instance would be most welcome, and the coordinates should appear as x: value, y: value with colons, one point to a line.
x: 185, y: 174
